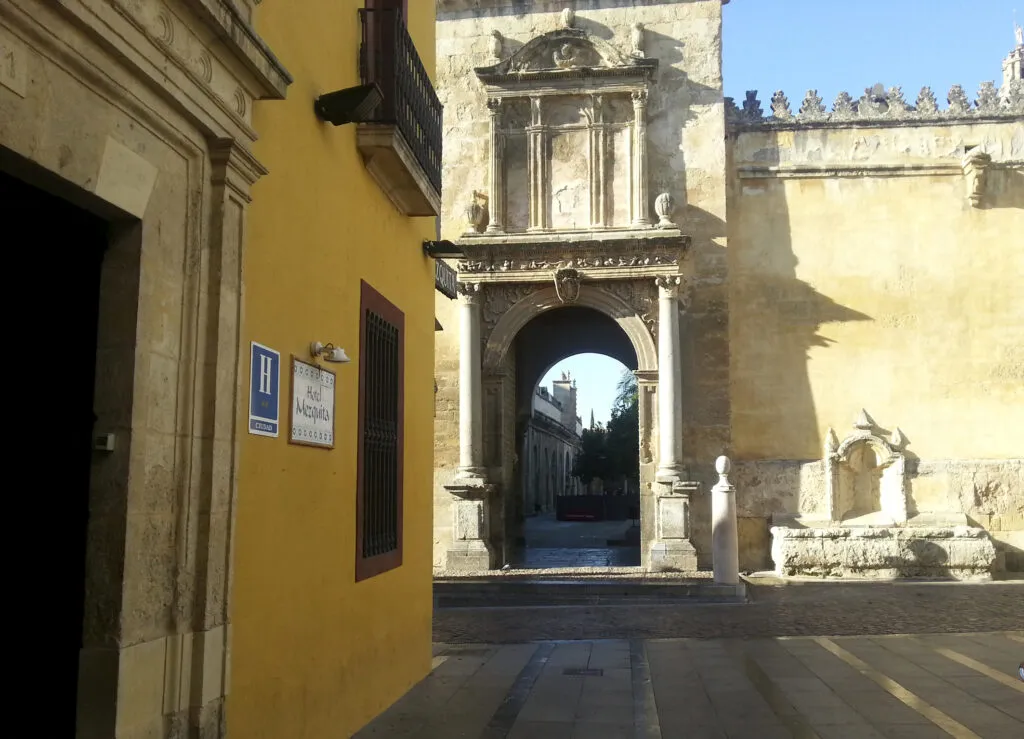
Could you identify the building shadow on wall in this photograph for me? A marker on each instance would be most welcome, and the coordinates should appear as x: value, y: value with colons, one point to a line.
x: 747, y: 341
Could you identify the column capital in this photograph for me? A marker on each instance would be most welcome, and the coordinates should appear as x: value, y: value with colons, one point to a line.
x: 470, y: 291
x: 640, y: 98
x: 669, y: 285
x: 494, y: 105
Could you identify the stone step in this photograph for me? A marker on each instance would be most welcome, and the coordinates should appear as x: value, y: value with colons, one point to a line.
x: 504, y: 593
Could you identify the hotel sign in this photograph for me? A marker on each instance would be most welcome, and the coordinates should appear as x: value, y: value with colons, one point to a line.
x: 446, y: 281
x: 264, y: 384
x: 312, y: 412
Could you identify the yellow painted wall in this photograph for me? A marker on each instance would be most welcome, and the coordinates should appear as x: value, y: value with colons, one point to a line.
x: 879, y: 290
x: 314, y: 654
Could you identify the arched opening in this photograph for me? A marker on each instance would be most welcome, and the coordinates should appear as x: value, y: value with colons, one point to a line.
x: 570, y: 363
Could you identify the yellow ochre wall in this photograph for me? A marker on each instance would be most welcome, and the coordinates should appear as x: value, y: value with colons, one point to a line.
x: 882, y: 288
x: 313, y: 653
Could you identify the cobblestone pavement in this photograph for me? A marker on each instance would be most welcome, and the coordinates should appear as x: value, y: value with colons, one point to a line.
x: 551, y: 543
x: 544, y: 558
x: 776, y: 609
x: 547, y: 531
x: 888, y: 687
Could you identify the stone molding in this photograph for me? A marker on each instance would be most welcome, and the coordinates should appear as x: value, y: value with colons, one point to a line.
x: 235, y: 166
x: 537, y: 6
x: 878, y: 107
x: 619, y: 254
x: 859, y: 169
x: 240, y: 38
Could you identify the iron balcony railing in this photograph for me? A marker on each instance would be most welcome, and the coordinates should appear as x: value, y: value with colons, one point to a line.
x: 388, y: 57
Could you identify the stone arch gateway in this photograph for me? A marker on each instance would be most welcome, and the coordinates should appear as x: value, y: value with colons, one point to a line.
x: 562, y: 213
x: 645, y: 301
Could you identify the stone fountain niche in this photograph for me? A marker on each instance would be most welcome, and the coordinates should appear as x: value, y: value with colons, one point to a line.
x: 865, y: 477
x: 864, y: 527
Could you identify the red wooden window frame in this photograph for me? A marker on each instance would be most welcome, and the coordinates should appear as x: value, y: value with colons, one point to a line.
x: 372, y: 302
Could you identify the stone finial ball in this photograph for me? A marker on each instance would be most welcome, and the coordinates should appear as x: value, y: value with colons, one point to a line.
x: 723, y: 465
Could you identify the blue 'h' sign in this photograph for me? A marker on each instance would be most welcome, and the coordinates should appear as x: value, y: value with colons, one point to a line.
x: 264, y: 391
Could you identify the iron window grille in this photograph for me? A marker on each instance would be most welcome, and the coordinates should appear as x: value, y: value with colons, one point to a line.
x: 381, y: 435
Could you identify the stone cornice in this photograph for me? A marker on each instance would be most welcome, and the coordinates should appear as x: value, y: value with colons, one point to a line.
x: 450, y: 6
x: 237, y: 35
x: 553, y: 428
x: 608, y: 254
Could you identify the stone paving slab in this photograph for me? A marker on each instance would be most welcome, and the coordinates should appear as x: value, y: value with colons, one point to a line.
x: 860, y: 687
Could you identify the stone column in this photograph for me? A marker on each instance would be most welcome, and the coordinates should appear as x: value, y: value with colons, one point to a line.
x: 670, y: 421
x: 724, y: 534
x: 598, y: 166
x: 497, y: 199
x: 536, y: 165
x: 641, y: 208
x: 670, y: 548
x: 471, y: 431
x: 470, y: 549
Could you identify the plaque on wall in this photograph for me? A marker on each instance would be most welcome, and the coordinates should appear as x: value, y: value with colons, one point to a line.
x: 264, y: 386
x: 312, y: 412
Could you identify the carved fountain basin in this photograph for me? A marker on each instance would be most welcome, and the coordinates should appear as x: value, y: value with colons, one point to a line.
x: 928, y: 548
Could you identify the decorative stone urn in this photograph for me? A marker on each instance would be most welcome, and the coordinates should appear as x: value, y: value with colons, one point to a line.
x: 477, y: 215
x: 664, y: 207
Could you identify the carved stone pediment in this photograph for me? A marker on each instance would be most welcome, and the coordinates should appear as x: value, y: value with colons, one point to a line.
x: 566, y: 52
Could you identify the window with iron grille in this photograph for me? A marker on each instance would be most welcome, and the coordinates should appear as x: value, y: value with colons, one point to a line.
x: 381, y: 416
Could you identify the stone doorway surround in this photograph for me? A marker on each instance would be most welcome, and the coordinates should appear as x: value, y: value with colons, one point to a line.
x: 567, y: 220
x: 636, y: 280
x: 141, y: 114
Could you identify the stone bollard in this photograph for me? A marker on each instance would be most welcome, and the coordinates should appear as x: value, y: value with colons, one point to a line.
x: 724, y: 534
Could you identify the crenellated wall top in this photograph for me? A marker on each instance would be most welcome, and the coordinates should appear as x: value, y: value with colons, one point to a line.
x: 879, y: 106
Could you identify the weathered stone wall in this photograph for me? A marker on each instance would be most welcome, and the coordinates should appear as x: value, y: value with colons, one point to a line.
x: 861, y: 275
x: 687, y: 159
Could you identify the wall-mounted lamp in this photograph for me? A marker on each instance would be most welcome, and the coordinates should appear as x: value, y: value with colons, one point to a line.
x: 351, y: 105
x: 443, y: 250
x: 328, y: 352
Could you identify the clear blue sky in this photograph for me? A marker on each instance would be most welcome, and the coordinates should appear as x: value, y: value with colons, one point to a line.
x: 597, y: 379
x: 829, y: 45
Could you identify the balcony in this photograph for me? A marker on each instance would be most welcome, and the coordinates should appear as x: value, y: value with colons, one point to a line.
x: 401, y: 143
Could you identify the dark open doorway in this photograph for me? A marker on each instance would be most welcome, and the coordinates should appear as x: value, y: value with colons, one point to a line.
x: 59, y: 248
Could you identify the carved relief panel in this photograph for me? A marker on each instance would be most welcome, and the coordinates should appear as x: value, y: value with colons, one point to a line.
x: 568, y: 157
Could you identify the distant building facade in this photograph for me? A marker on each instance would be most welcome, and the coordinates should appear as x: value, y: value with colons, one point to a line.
x: 550, y: 445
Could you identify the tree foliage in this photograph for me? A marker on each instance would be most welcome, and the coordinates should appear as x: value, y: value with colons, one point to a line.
x: 613, y: 452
